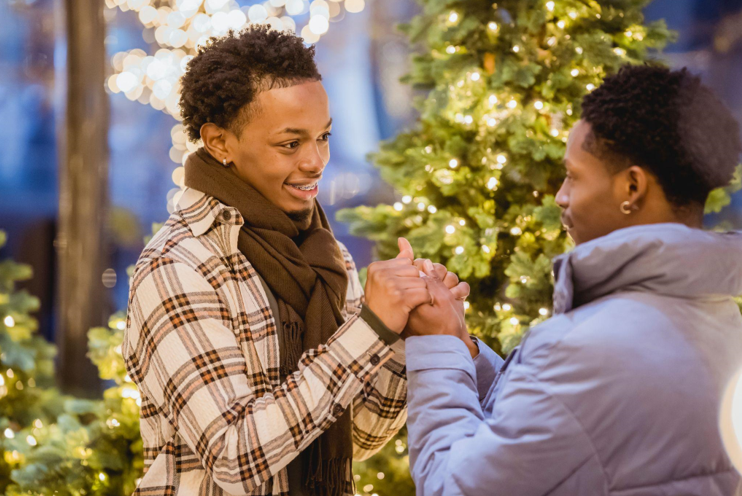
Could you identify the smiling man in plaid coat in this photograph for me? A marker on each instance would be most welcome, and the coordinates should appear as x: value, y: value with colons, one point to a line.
x: 260, y: 370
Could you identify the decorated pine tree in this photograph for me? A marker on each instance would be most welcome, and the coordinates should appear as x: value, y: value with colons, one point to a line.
x: 94, y: 446
x: 28, y: 399
x: 477, y: 174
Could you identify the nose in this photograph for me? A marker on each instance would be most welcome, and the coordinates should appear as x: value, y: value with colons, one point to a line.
x: 562, y: 196
x: 314, y: 161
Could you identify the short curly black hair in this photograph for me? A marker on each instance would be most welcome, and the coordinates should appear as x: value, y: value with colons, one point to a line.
x: 667, y: 122
x: 226, y: 75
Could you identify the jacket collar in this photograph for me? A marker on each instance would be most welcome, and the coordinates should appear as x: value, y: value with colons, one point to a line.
x: 663, y: 259
x: 201, y: 212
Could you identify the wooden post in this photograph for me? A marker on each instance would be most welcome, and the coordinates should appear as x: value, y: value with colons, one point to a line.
x: 83, y: 195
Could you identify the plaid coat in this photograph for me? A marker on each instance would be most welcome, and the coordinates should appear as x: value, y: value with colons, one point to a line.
x: 202, y: 347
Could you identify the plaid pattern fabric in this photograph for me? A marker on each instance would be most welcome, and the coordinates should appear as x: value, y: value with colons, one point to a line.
x: 201, y: 345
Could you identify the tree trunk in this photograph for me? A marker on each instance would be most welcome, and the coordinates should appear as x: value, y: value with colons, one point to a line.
x: 83, y: 194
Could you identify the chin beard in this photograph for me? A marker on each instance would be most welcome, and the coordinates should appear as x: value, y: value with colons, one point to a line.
x: 301, y: 217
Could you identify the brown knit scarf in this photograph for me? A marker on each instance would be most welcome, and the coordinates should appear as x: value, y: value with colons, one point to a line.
x: 302, y: 265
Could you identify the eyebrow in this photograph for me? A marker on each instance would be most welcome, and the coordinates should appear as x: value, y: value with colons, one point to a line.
x: 301, y: 132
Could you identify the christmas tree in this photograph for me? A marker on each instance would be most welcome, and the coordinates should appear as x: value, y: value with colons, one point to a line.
x: 28, y: 400
x: 94, y: 446
x: 478, y: 173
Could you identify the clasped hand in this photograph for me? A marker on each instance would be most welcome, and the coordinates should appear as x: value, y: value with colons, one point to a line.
x: 417, y: 298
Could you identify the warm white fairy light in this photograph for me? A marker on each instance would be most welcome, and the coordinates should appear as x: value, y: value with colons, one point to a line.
x: 502, y: 159
x: 561, y: 24
x: 450, y: 229
x: 493, y: 99
x: 619, y: 51
x: 475, y: 76
x: 450, y: 49
x: 550, y: 6
x: 459, y: 250
x: 575, y: 72
x: 555, y: 132
x: 453, y: 17
x: 462, y: 222
x: 406, y: 199
x: 514, y: 321
x: 539, y: 105
x: 468, y: 119
x: 432, y: 209
x: 507, y: 307
x: 516, y: 231
x: 492, y: 183
x: 9, y: 433
x: 492, y: 26
x: 453, y: 163
x: 590, y: 87
x: 544, y: 312
x: 516, y: 48
x: 31, y: 440
x: 579, y: 50
x: 398, y: 207
x: 486, y: 249
x: 512, y: 104
x: 9, y: 321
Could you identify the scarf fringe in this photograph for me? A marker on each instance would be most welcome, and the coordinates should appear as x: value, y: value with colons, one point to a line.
x: 330, y: 477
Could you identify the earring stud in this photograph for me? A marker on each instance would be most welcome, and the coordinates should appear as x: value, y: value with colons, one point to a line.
x: 626, y: 208
x: 225, y: 163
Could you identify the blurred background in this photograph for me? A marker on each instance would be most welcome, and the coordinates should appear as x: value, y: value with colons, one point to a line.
x: 361, y: 56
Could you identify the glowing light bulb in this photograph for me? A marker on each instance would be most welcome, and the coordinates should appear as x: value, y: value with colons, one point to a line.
x: 550, y: 6
x: 507, y: 307
x: 406, y: 199
x: 459, y: 250
x: 453, y: 17
x: 486, y: 249
x: 514, y: 321
x: 475, y: 76
x: 575, y: 72
x: 492, y: 26
x: 539, y: 105
x: 398, y: 207
x: 450, y: 49
x: 9, y: 321
x: 543, y: 311
x: 432, y: 209
x: 450, y: 229
x: 453, y: 163
x: 516, y: 231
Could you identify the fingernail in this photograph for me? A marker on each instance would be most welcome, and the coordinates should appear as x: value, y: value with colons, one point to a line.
x: 429, y: 267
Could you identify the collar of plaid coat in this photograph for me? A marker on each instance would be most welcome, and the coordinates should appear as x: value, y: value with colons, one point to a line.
x: 201, y: 346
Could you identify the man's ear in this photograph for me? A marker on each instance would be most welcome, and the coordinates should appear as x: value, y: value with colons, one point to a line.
x: 637, y: 184
x: 215, y: 141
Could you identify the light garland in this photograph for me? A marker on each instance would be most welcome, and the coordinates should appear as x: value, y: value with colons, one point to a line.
x: 180, y: 28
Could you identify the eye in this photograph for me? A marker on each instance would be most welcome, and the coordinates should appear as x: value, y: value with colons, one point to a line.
x: 291, y: 145
x: 326, y: 137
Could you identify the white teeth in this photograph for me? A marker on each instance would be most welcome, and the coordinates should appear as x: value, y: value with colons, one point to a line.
x: 308, y: 187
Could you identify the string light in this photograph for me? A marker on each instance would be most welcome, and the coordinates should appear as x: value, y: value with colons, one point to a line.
x: 453, y: 17
x: 9, y: 433
x: 432, y: 209
x: 475, y: 76
x: 492, y: 26
x: 507, y: 307
x: 514, y: 321
x: 550, y: 6
x: 543, y: 311
x: 31, y: 440
x: 450, y: 49
x: 539, y: 105
x: 493, y: 99
x: 450, y: 229
x: 619, y: 51
x: 516, y: 231
x: 575, y: 72
x: 516, y: 48
x: 486, y: 249
x: 512, y: 104
x: 492, y: 183
x: 462, y: 222
x: 9, y: 321
x: 453, y: 163
x: 502, y: 159
x: 406, y: 199
x: 561, y: 24
x: 590, y: 87
x: 459, y: 250
x: 398, y: 207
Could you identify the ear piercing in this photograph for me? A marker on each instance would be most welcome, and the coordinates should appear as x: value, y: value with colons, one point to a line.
x: 224, y: 162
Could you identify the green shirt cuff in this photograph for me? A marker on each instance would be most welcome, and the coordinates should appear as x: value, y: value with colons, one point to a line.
x: 374, y: 322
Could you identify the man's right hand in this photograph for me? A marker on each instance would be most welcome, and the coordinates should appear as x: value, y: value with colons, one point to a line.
x: 394, y: 288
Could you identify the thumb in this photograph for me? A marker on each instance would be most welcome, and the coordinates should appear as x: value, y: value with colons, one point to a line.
x: 405, y: 249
